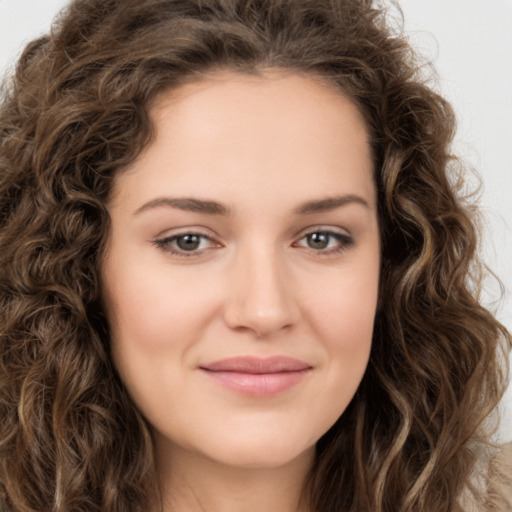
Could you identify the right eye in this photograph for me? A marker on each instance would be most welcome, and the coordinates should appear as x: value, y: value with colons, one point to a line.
x: 185, y: 244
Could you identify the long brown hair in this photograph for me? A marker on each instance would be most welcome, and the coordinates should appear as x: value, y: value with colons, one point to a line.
x: 76, y: 112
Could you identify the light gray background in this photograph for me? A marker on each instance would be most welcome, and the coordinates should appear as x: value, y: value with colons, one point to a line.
x: 470, y: 43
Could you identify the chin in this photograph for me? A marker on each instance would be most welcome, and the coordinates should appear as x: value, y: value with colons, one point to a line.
x: 260, y: 454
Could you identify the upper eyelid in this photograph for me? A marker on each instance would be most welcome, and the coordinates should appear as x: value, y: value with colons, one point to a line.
x: 186, y: 230
x: 211, y: 235
x: 340, y: 232
x: 173, y: 237
x: 301, y: 233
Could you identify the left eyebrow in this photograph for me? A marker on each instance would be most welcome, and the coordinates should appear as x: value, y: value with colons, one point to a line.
x: 330, y: 203
x: 188, y: 204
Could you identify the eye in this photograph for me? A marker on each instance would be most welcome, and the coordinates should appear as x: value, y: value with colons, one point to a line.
x: 185, y: 244
x: 326, y: 242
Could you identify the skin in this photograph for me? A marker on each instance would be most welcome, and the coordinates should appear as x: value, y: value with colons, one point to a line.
x: 253, y: 283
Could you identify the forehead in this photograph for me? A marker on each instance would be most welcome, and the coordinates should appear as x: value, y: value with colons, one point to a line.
x: 254, y: 133
x: 236, y: 92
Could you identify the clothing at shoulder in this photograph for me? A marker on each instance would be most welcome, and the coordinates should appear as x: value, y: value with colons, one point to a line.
x: 499, y: 481
x: 491, y: 487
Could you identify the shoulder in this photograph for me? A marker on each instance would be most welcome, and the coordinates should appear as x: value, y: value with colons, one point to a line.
x: 490, y: 488
x: 499, y: 481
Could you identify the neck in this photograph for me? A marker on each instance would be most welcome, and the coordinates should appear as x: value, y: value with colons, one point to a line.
x: 192, y: 483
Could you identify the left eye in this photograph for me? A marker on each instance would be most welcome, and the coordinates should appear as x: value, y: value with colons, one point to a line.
x: 326, y: 241
x: 185, y: 244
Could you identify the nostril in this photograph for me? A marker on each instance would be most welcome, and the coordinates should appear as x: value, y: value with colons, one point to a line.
x: 262, y: 321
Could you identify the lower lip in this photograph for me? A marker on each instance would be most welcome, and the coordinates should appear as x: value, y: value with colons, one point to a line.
x: 258, y: 384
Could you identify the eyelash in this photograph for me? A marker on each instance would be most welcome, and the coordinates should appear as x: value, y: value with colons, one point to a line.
x: 165, y: 244
x: 344, y: 241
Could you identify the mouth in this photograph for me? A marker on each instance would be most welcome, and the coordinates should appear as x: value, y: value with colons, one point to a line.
x: 257, y: 377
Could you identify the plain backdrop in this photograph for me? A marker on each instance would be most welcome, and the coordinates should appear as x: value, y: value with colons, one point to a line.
x: 470, y: 44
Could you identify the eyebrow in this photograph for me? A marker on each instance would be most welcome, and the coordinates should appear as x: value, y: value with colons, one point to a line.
x: 330, y: 203
x: 188, y: 204
x: 215, y: 208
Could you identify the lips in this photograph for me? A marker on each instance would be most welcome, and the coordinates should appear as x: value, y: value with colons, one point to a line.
x: 255, y: 376
x: 256, y: 365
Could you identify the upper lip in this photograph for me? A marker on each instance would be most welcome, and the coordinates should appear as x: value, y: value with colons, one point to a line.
x: 257, y: 365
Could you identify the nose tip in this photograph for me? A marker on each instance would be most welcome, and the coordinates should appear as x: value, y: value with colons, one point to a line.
x: 261, y: 299
x: 262, y: 322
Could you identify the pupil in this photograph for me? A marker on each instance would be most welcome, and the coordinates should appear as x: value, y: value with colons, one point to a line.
x: 188, y: 242
x: 318, y: 240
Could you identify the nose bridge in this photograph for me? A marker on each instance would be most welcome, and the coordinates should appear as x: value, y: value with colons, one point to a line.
x: 261, y: 295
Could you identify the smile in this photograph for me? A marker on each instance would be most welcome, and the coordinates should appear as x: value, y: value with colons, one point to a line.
x: 257, y: 377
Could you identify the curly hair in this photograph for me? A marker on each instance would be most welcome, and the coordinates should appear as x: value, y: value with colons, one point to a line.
x: 76, y: 113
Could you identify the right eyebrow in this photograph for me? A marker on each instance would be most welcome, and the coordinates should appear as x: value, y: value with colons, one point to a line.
x: 330, y: 203
x: 187, y: 204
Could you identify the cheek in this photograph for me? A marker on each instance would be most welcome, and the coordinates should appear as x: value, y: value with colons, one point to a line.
x: 154, y: 319
x: 150, y: 307
x: 343, y: 318
x: 344, y: 310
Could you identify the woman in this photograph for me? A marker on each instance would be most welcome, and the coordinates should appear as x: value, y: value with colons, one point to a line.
x: 236, y: 271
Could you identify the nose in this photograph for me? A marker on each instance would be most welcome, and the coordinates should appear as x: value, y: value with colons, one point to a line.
x: 261, y: 297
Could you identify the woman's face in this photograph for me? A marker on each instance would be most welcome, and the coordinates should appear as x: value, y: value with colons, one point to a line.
x: 242, y: 271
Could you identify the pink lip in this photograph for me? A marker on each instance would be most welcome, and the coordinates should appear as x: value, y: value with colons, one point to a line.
x: 254, y: 376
